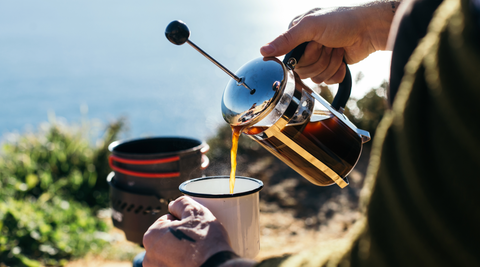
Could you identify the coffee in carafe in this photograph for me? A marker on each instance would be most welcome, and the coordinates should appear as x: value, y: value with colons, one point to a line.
x: 328, y: 140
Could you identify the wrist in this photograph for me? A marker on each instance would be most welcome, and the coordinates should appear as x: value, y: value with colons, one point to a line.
x: 379, y: 22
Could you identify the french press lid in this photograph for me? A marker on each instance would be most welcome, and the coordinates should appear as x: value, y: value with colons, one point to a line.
x: 266, y: 78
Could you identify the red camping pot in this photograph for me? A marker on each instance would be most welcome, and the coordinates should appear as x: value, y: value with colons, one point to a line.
x: 146, y: 175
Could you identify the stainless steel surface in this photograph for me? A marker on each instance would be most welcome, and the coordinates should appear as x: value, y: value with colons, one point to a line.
x: 267, y: 77
x: 364, y: 135
x: 292, y: 62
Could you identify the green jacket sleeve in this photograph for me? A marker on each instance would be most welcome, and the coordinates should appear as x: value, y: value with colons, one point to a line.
x: 421, y: 199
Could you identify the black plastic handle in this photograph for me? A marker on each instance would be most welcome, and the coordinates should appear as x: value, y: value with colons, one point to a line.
x: 344, y: 88
x: 293, y: 57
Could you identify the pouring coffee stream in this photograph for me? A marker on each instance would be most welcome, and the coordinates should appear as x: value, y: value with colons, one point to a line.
x: 286, y: 117
x: 178, y: 33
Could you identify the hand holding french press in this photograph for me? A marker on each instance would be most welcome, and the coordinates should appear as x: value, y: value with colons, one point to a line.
x: 358, y: 31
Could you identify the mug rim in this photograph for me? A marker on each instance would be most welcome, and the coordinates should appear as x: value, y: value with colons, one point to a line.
x: 226, y: 195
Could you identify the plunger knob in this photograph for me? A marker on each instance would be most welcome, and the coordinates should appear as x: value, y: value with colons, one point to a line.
x: 177, y: 32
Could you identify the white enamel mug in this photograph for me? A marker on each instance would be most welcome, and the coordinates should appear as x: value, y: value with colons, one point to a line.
x: 238, y: 212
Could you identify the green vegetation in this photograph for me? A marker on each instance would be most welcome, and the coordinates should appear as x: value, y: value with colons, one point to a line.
x: 369, y: 110
x: 53, y: 183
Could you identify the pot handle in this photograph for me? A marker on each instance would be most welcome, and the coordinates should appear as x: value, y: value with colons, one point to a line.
x: 344, y: 88
x: 111, y: 158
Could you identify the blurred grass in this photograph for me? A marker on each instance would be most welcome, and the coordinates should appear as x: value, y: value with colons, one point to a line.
x: 53, y: 184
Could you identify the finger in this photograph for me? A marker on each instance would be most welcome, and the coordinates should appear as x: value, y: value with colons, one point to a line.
x: 338, y: 76
x: 303, y: 31
x: 313, y: 52
x: 333, y: 66
x: 318, y: 67
x: 167, y: 218
x: 177, y: 206
x: 184, y: 207
x: 154, y: 233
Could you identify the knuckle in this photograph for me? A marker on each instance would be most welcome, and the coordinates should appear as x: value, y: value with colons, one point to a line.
x: 338, y: 79
x: 148, y: 237
x: 321, y: 65
x: 193, y: 210
x: 302, y: 75
x: 317, y: 79
x: 338, y: 76
x: 287, y: 37
x: 182, y: 199
x: 302, y: 16
x: 308, y: 19
x: 293, y: 22
x: 330, y: 82
x: 315, y: 10
x: 190, y: 209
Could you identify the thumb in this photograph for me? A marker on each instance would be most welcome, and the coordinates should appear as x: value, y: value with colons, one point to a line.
x: 298, y: 34
x: 184, y: 207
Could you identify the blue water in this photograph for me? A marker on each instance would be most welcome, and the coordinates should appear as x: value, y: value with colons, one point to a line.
x: 112, y: 59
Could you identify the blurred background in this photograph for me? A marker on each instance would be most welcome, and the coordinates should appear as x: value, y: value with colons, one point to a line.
x: 77, y: 75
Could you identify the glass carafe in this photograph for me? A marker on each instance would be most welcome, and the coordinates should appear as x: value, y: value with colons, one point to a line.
x: 293, y: 122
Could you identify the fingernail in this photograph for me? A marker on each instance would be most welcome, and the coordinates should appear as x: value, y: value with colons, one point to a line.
x: 267, y: 49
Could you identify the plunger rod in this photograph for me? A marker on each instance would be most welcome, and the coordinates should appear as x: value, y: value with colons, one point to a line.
x: 214, y: 61
x: 227, y: 71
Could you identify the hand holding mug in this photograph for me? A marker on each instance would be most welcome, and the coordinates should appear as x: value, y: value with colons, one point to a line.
x: 186, y: 237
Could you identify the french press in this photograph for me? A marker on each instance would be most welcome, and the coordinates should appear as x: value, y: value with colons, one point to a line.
x: 272, y: 105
